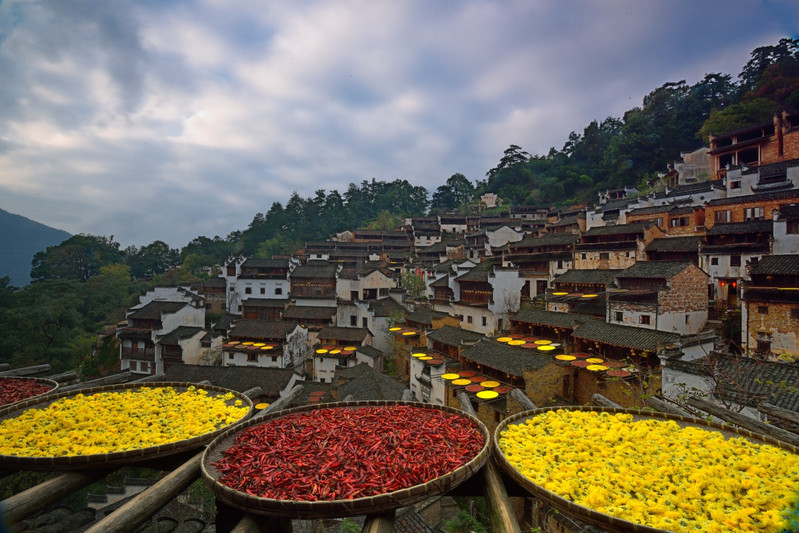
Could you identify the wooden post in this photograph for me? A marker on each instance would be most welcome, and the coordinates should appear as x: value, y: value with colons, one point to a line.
x: 744, y: 421
x: 501, y: 514
x: 379, y: 523
x: 20, y: 506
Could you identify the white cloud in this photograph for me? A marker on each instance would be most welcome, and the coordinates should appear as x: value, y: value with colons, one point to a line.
x: 169, y: 120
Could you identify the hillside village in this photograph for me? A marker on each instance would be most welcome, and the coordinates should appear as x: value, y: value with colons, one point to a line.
x: 639, y: 295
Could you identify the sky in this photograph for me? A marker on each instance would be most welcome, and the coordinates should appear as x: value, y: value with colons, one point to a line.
x: 170, y: 119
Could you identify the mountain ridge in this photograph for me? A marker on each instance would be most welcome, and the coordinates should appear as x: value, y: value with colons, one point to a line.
x: 20, y: 239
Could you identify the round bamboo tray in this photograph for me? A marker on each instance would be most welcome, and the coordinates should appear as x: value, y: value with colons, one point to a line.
x: 336, y: 508
x: 609, y: 523
x: 44, y: 381
x: 78, y: 462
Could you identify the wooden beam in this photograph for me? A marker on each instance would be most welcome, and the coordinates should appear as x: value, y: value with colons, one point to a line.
x: 500, y: 512
x: 281, y: 403
x: 253, y: 392
x: 151, y: 378
x: 522, y: 399
x: 665, y: 407
x: 144, y: 505
x: 27, y: 370
x: 262, y: 524
x: 64, y: 376
x: 20, y: 506
x: 113, y: 379
x: 744, y: 421
x: 605, y: 401
x: 779, y: 412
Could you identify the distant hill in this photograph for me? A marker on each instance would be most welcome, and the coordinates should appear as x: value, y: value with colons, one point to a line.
x: 20, y: 239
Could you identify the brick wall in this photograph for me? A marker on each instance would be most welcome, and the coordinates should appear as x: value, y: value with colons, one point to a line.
x: 688, y: 292
x: 776, y: 325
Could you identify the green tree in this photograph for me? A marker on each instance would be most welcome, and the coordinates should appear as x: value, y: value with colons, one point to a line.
x: 78, y: 258
x: 737, y: 116
x: 457, y: 191
x: 414, y: 284
x: 152, y: 259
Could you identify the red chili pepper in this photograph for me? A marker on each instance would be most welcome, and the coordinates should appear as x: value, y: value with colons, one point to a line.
x: 345, y: 453
x: 14, y: 389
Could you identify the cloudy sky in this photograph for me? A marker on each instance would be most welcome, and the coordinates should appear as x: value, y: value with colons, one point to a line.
x: 165, y: 120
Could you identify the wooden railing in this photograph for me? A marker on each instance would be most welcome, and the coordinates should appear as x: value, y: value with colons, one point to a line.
x: 185, y: 469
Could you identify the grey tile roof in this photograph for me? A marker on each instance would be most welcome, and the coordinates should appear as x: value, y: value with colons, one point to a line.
x: 650, y: 210
x: 265, y: 302
x: 386, y: 307
x: 365, y: 383
x: 549, y: 318
x: 265, y: 263
x: 504, y: 358
x: 155, y: 309
x: 261, y: 329
x: 179, y: 333
x: 588, y: 276
x: 315, y: 269
x: 748, y: 381
x: 625, y: 336
x: 675, y: 244
x: 551, y: 239
x: 479, y: 273
x: 789, y: 212
x: 238, y: 378
x: 755, y: 198
x: 654, y: 269
x: 621, y: 229
x: 766, y: 295
x: 302, y: 312
x: 425, y: 316
x: 452, y: 336
x: 369, y: 351
x: 777, y: 264
x: 742, y: 228
x: 694, y: 188
x: 344, y: 334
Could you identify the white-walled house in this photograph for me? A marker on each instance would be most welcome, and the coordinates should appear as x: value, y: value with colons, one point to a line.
x: 144, y: 324
x: 267, y: 344
x: 367, y: 283
x: 256, y: 278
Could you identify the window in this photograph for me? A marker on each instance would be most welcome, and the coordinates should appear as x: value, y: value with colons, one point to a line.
x: 485, y: 321
x: 583, y: 256
x: 735, y: 185
x: 278, y: 290
x: 762, y: 309
x: 230, y: 356
x: 722, y: 216
x: 619, y: 316
x: 763, y: 346
x: 643, y: 320
x: 468, y: 319
x: 365, y: 322
x: 248, y: 290
x: 714, y: 261
x: 792, y: 227
x: 735, y: 260
x: 353, y: 320
x: 252, y: 357
x: 263, y: 290
x: 755, y: 213
x: 604, y: 256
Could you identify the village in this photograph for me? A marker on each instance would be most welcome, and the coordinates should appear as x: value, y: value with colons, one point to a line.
x: 637, y: 296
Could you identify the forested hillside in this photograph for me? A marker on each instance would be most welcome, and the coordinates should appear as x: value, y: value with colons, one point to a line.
x: 87, y: 280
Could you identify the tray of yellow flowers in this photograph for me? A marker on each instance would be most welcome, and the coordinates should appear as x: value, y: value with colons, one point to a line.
x: 115, y: 424
x: 628, y: 470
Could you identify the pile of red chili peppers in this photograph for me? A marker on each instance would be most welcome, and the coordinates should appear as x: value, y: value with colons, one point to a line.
x: 344, y: 453
x: 13, y: 390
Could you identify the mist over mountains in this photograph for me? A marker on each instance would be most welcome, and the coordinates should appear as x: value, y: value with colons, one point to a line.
x: 20, y: 239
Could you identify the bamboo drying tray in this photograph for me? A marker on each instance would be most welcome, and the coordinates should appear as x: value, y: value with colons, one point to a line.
x: 77, y: 462
x: 337, y: 508
x: 611, y: 523
x: 44, y: 381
